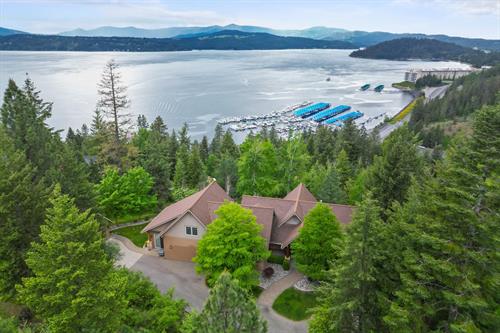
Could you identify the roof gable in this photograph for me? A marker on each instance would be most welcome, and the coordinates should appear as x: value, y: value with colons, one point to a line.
x: 300, y: 193
x: 196, y: 203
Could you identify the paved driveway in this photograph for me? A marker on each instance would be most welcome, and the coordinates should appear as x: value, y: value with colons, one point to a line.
x: 188, y: 285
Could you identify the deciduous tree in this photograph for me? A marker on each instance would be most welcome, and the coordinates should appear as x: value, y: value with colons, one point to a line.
x: 320, y: 242
x: 232, y: 242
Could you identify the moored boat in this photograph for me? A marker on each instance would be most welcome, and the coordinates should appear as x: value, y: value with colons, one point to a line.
x: 379, y: 88
x: 364, y: 87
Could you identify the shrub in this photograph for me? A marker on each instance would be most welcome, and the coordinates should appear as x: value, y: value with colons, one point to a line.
x: 286, y: 264
x: 276, y: 259
x: 268, y: 272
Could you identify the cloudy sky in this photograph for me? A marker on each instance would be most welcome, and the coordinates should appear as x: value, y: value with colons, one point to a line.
x: 468, y: 18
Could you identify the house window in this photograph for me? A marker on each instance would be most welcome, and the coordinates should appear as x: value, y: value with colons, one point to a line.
x: 157, y: 240
x: 188, y: 230
x: 194, y: 230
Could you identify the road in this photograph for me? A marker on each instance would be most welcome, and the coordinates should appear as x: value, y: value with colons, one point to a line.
x: 430, y: 94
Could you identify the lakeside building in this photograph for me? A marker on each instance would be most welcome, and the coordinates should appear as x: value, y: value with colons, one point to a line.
x: 176, y: 230
x: 444, y: 74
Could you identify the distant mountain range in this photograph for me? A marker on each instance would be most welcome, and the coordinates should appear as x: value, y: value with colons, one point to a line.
x: 220, y: 40
x: 358, y: 38
x: 427, y: 49
x: 7, y: 32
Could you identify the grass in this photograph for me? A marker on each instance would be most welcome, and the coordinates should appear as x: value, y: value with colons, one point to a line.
x: 404, y: 112
x: 295, y: 304
x: 404, y: 85
x: 135, y: 217
x: 134, y: 234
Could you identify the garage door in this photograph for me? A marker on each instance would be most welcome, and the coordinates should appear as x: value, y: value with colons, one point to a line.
x: 179, y: 248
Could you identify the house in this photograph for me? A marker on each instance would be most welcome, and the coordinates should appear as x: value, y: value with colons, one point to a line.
x: 177, y: 229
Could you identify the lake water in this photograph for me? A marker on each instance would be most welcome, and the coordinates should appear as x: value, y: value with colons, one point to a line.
x: 199, y: 87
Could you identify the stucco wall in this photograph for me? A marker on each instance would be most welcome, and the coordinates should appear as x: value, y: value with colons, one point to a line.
x: 179, y: 229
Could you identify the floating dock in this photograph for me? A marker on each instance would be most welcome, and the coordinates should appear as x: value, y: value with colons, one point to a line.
x: 311, y: 109
x: 351, y: 115
x: 323, y: 115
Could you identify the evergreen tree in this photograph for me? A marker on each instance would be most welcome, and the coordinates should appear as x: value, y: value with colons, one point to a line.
x: 142, y: 122
x: 204, y: 149
x: 344, y: 168
x: 331, y: 189
x: 350, y: 301
x: 74, y: 287
x: 391, y: 173
x: 319, y: 243
x: 227, y: 174
x: 215, y: 145
x: 149, y: 311
x: 451, y: 262
x: 228, y: 309
x: 257, y: 168
x: 181, y: 168
x: 22, y: 209
x: 113, y: 100
x: 228, y: 146
x: 194, y: 169
x: 232, y: 242
x: 173, y: 146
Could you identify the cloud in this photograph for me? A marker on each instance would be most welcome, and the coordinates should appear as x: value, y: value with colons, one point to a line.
x: 154, y: 14
x: 471, y: 7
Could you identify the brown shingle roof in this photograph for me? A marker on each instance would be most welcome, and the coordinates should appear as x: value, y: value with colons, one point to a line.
x: 300, y: 193
x: 196, y: 203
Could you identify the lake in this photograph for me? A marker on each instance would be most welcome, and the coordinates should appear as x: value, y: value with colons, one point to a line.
x: 199, y: 87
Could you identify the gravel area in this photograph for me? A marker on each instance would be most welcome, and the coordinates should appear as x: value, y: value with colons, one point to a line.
x: 306, y: 285
x: 279, y: 273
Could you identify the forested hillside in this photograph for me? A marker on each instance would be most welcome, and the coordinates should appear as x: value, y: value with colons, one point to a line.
x: 221, y: 40
x: 427, y: 49
x: 420, y: 255
x: 463, y: 97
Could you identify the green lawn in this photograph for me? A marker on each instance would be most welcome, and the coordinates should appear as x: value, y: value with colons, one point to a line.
x: 135, y: 217
x: 294, y: 304
x: 134, y: 234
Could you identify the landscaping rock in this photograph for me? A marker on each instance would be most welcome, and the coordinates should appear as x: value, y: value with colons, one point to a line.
x: 306, y: 285
x: 279, y: 273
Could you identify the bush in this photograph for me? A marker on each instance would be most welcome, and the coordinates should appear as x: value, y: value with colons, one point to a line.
x: 276, y: 259
x: 268, y: 272
x: 286, y: 264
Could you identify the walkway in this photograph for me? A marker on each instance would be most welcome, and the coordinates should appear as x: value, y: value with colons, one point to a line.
x: 191, y: 287
x: 276, y: 322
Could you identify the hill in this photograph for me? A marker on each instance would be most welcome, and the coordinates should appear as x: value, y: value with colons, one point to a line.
x: 426, y: 49
x: 222, y: 40
x: 358, y: 38
x: 7, y: 32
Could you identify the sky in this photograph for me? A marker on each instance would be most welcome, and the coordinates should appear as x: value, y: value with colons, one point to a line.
x: 467, y: 18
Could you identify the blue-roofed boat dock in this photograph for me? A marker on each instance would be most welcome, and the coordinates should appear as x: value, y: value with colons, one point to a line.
x: 323, y: 115
x: 311, y: 109
x: 339, y: 119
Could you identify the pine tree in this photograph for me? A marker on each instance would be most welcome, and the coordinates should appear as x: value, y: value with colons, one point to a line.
x: 216, y: 143
x: 344, y: 168
x: 391, y: 174
x: 204, y: 149
x: 22, y: 209
x: 331, y: 189
x: 73, y: 287
x: 228, y: 146
x: 195, y: 169
x: 113, y: 100
x: 451, y: 263
x: 181, y: 165
x: 320, y: 242
x: 349, y: 302
x: 227, y: 174
x: 228, y: 309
